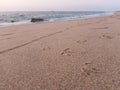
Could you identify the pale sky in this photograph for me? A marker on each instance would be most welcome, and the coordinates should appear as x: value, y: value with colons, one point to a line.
x: 61, y: 5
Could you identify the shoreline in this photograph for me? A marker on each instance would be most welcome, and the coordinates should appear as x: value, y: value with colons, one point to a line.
x: 77, y: 54
x: 28, y: 21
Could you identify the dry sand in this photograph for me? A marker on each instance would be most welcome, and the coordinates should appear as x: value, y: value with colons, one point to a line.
x: 62, y: 55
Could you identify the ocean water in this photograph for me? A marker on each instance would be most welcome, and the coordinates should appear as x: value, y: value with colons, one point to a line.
x: 25, y: 17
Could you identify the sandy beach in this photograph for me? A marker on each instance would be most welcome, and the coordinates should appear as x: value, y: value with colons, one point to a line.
x: 62, y: 55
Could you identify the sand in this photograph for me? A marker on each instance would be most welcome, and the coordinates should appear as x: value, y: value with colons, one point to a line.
x: 62, y: 55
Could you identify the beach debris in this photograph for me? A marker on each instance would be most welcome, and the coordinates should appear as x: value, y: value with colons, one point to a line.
x: 37, y: 19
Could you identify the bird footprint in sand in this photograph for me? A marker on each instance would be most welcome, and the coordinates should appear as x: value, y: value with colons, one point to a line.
x: 87, y: 69
x: 67, y: 52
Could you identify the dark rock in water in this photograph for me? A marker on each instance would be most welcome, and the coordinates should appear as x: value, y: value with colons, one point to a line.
x: 37, y: 19
x: 12, y: 21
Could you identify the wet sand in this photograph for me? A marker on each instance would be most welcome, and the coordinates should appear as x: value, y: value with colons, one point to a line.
x: 63, y: 55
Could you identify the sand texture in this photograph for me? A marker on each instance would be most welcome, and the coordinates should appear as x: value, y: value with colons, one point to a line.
x: 61, y: 55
